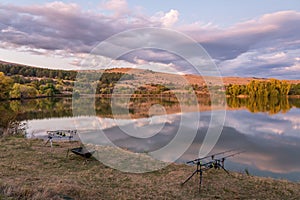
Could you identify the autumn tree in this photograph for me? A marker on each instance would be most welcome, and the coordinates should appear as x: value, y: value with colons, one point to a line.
x: 265, y: 89
x: 23, y: 91
x: 5, y: 86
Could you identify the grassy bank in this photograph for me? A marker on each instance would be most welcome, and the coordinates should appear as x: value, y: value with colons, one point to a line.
x: 31, y: 170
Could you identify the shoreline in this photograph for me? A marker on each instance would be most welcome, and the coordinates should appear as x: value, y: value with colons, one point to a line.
x: 163, y: 95
x: 31, y: 170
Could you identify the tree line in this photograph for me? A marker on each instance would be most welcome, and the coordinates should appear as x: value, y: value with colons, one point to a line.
x: 295, y: 89
x: 18, y: 81
x: 267, y: 89
x: 11, y: 88
x: 10, y: 69
x: 21, y: 87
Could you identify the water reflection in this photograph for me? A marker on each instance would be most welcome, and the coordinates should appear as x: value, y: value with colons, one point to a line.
x: 262, y: 104
x: 139, y: 107
x: 272, y: 141
x: 269, y: 151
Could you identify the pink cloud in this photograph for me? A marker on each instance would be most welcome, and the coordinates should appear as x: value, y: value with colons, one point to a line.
x: 67, y: 27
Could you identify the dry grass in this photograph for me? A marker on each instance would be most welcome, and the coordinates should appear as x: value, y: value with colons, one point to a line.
x: 30, y: 170
x: 164, y: 78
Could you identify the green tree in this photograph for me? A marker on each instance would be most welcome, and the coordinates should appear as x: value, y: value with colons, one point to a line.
x: 294, y: 89
x: 49, y: 89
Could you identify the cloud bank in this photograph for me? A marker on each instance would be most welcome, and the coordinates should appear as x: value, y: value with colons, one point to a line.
x: 268, y: 46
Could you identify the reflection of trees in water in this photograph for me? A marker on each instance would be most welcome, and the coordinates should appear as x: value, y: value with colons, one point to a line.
x: 13, y: 112
x: 263, y: 104
x: 135, y: 105
x: 9, y: 123
x: 44, y: 108
x: 8, y: 117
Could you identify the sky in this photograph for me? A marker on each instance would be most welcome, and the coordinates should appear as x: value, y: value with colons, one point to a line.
x: 244, y: 38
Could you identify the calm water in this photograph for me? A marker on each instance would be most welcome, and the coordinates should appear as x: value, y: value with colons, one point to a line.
x: 269, y: 133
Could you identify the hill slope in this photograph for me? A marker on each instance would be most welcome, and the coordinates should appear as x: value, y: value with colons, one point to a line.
x: 151, y: 76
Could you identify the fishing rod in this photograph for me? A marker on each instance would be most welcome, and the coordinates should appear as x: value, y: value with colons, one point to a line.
x: 212, y: 156
x: 220, y: 162
x: 215, y: 163
x: 223, y: 158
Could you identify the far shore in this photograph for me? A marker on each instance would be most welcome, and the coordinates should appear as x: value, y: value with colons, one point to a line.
x: 165, y: 95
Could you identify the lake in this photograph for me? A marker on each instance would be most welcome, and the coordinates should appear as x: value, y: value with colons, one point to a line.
x: 268, y: 131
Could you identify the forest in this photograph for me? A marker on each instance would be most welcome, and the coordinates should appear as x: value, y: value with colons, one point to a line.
x: 20, y: 87
x: 11, y: 69
x: 23, y: 82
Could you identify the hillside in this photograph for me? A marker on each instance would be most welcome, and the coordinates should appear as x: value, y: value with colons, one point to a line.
x: 42, y: 82
x: 193, y: 79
